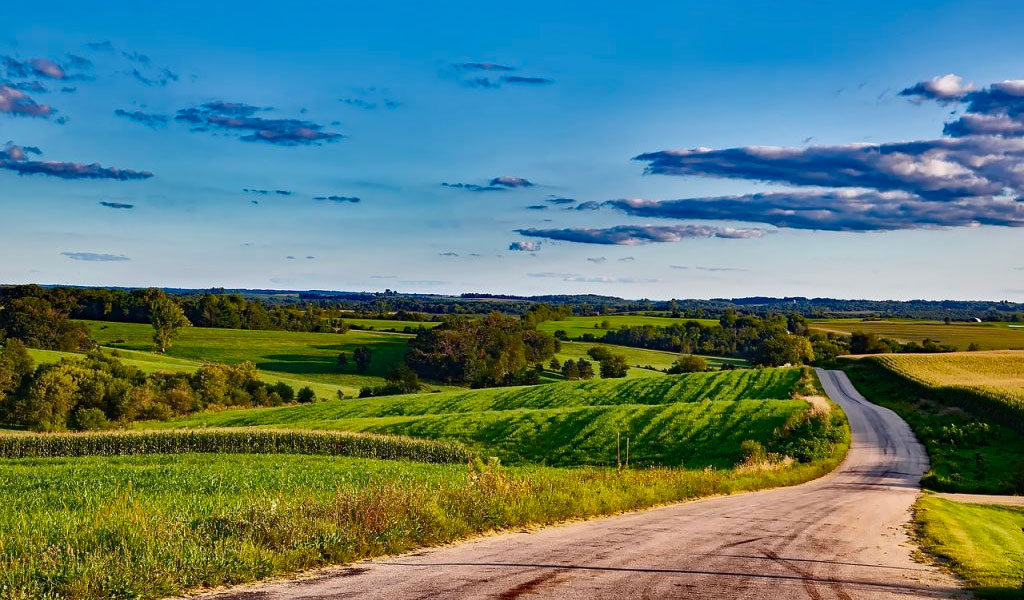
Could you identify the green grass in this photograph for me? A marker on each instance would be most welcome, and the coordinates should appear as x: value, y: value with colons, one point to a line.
x: 577, y: 326
x: 969, y: 453
x: 983, y: 544
x: 388, y: 324
x: 150, y: 362
x: 156, y: 526
x: 641, y: 357
x: 301, y: 356
x: 988, y: 336
x: 698, y: 419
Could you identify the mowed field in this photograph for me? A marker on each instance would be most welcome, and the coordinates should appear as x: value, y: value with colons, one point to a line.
x: 988, y: 336
x: 639, y: 358
x: 296, y: 355
x: 577, y: 326
x: 698, y: 419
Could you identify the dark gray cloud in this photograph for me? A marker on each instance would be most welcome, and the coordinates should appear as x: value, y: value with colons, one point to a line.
x: 481, y: 66
x: 95, y: 256
x: 524, y: 246
x: 537, y: 207
x: 339, y: 199
x: 448, y: 254
x: 627, y: 259
x: 116, y: 204
x: 160, y: 78
x: 520, y: 80
x: 16, y: 102
x: 835, y: 210
x: 147, y: 119
x: 15, y: 158
x: 268, y: 192
x: 555, y: 200
x: 240, y: 118
x: 370, y: 99
x: 597, y: 259
x: 631, y: 235
x: 496, y: 184
x: 588, y: 205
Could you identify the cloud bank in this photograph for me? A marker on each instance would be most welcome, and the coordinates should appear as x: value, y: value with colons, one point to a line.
x: 16, y: 158
x: 632, y: 235
x: 95, y: 256
x: 240, y: 119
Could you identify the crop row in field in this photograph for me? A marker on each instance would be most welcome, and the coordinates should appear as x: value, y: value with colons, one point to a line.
x: 988, y: 382
x: 986, y: 336
x: 230, y: 441
x: 156, y: 526
x: 696, y: 419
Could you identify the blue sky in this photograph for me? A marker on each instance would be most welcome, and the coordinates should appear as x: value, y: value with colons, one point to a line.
x: 524, y: 104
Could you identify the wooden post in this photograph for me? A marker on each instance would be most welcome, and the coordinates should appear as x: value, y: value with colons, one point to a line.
x: 618, y: 452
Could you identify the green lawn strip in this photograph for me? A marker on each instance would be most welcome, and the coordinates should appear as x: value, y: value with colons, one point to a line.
x: 577, y: 326
x: 967, y: 454
x: 155, y: 526
x: 983, y: 544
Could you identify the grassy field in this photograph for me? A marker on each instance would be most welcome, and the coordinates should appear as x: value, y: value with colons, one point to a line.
x: 303, y: 356
x: 155, y: 526
x: 150, y: 362
x: 980, y: 543
x: 388, y: 324
x: 971, y: 435
x: 639, y: 358
x: 988, y: 336
x: 697, y: 420
x: 577, y: 326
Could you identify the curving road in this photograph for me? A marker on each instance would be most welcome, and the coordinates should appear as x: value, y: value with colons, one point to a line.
x: 841, y: 536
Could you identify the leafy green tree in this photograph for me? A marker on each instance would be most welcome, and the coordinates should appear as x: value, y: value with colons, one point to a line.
x: 782, y: 349
x: 167, y: 319
x: 570, y: 370
x: 362, y: 356
x: 554, y: 365
x: 306, y: 395
x: 586, y: 368
x: 342, y: 360
x: 614, y: 366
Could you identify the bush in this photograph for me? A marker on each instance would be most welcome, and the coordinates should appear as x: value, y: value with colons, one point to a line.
x: 614, y: 366
x: 306, y: 395
x: 688, y: 364
x: 753, y: 452
x: 91, y: 419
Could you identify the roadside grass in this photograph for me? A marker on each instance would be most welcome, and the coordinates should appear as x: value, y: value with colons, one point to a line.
x: 577, y: 326
x: 988, y: 336
x: 155, y: 526
x: 698, y: 419
x: 983, y: 544
x: 307, y: 356
x: 969, y: 452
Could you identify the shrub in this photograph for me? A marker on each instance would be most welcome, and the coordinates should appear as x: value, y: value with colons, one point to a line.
x: 306, y: 395
x: 688, y: 364
x: 91, y: 419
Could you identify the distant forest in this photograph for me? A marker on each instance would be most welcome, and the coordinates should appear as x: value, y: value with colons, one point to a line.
x: 310, y: 310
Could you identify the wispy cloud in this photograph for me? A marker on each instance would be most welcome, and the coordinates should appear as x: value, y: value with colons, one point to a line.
x: 488, y: 75
x: 16, y: 102
x: 557, y: 200
x: 339, y: 199
x: 116, y: 204
x: 597, y: 259
x: 496, y: 184
x: 95, y: 256
x: 631, y: 235
x: 147, y: 119
x: 262, y: 192
x: 15, y: 158
x: 577, y: 278
x: 241, y: 119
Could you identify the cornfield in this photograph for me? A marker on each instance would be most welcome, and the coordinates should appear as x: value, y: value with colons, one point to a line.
x: 989, y: 382
x: 233, y: 441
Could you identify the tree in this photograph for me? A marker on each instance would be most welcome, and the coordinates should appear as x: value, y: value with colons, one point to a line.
x: 614, y: 367
x: 15, y: 367
x: 586, y: 368
x: 783, y: 349
x: 570, y: 370
x: 362, y: 356
x: 688, y: 364
x: 306, y: 395
x: 342, y: 360
x: 554, y: 365
x: 167, y: 319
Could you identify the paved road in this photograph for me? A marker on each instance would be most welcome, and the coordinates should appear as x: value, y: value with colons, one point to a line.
x: 840, y: 536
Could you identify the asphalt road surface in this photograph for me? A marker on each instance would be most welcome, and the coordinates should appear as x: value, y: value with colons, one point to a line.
x: 841, y: 536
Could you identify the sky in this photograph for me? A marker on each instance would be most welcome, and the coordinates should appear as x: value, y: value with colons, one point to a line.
x: 656, y: 150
